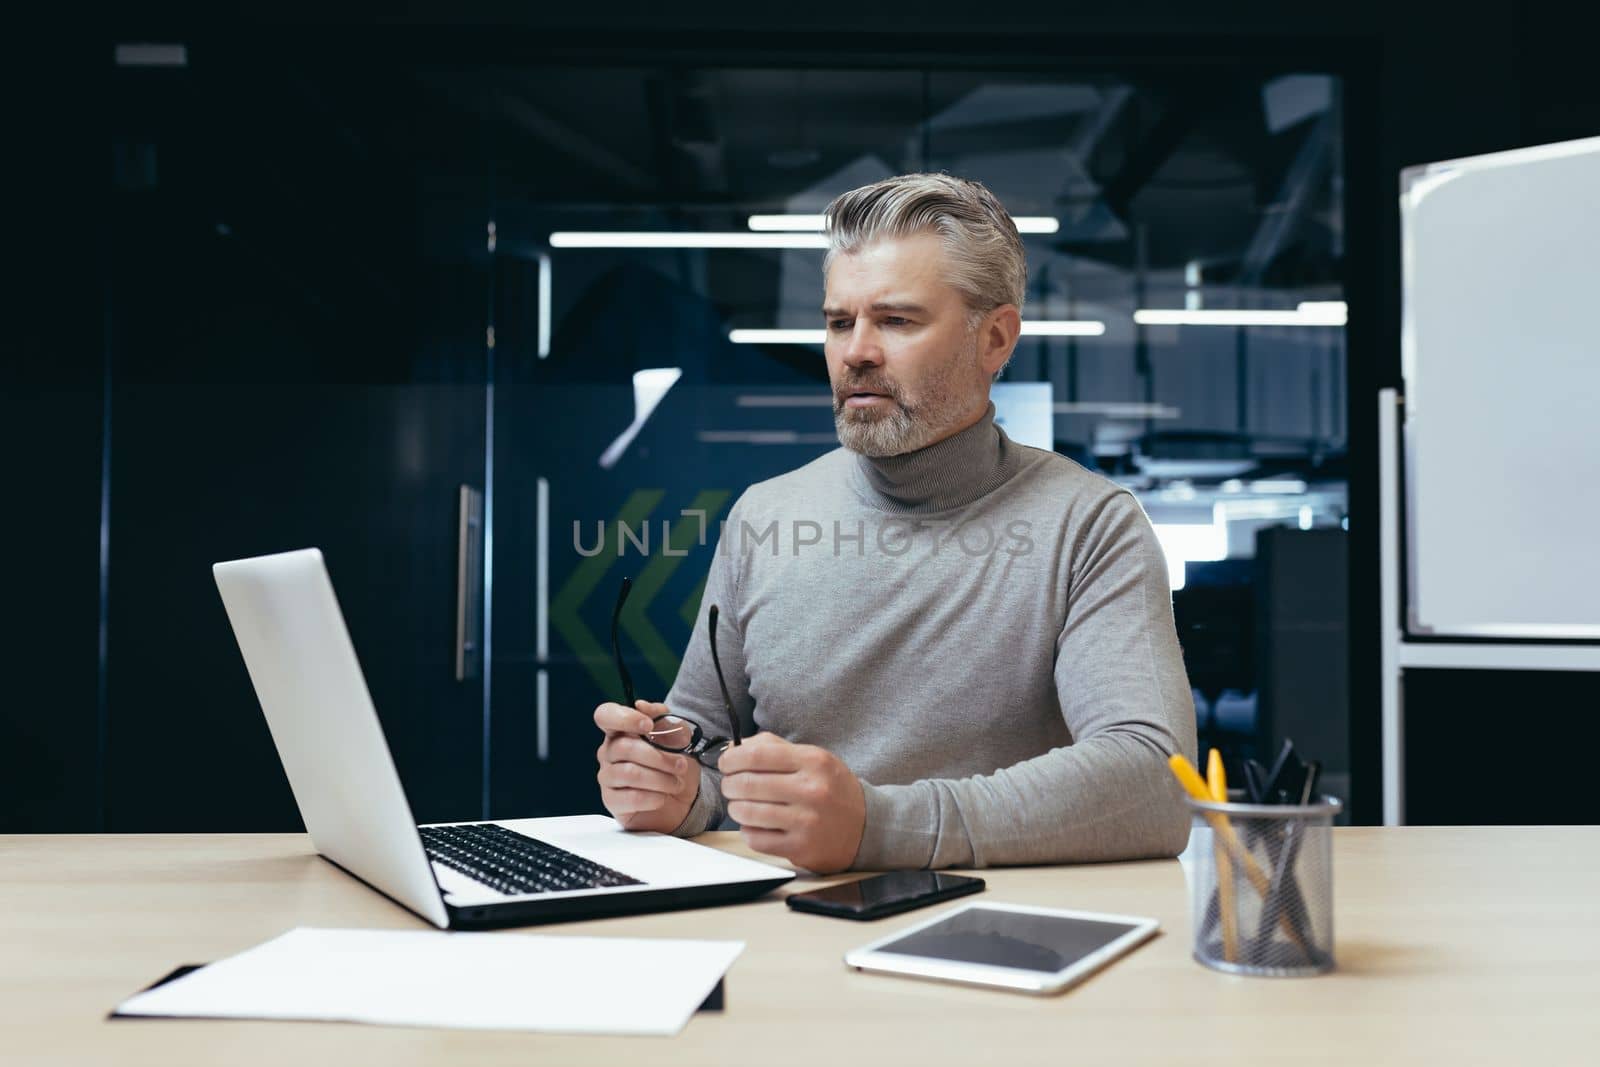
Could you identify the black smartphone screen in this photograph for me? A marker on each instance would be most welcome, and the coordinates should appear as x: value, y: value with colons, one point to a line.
x: 885, y: 894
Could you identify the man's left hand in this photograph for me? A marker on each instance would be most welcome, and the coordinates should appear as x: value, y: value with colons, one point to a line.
x: 799, y: 802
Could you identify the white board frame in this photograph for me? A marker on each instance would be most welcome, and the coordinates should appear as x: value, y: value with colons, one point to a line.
x: 1416, y: 183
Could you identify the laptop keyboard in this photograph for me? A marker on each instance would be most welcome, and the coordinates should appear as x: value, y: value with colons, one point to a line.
x: 513, y: 863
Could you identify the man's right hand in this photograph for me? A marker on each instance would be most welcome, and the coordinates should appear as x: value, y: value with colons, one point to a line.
x: 641, y: 786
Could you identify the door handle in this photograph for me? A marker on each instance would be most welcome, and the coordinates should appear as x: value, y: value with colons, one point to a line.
x: 469, y: 583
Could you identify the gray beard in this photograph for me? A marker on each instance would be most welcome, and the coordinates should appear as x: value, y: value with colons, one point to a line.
x: 906, y: 428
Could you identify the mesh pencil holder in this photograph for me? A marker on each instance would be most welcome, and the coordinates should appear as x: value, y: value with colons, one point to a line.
x: 1261, y: 887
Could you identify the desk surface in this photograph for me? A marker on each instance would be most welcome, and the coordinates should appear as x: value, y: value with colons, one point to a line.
x: 1454, y: 944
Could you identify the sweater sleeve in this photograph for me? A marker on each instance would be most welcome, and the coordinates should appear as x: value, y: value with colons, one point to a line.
x: 1125, y: 697
x: 695, y: 694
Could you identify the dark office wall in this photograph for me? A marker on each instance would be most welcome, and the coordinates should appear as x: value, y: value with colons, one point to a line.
x: 298, y: 301
x: 1440, y: 83
x: 1492, y: 747
x: 51, y: 403
x: 49, y: 609
x: 261, y: 334
x: 1302, y: 580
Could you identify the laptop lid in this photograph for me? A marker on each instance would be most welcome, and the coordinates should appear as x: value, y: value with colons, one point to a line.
x: 306, y: 675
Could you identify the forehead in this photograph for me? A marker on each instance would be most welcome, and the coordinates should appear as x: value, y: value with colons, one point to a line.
x: 892, y: 267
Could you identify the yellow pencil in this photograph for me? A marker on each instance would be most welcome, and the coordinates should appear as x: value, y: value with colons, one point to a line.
x: 1217, y: 782
x: 1196, y: 787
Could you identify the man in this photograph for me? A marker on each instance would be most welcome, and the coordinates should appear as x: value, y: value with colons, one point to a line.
x: 951, y: 650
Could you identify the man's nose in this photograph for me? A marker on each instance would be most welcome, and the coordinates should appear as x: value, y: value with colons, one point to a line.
x: 862, y: 348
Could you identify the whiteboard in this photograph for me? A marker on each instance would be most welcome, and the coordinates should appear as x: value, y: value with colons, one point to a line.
x: 1501, y: 357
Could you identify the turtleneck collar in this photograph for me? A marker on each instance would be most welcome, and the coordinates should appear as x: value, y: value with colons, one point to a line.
x: 947, y: 474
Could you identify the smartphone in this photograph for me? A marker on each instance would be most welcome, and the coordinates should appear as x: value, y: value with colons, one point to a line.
x: 885, y: 894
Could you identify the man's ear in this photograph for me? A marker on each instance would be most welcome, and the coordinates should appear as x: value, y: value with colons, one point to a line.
x: 997, y: 336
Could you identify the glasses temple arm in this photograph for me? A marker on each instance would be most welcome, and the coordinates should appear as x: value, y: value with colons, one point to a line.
x: 616, y: 645
x: 716, y: 661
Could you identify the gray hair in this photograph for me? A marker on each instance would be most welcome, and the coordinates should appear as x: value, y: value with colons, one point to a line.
x: 983, y: 251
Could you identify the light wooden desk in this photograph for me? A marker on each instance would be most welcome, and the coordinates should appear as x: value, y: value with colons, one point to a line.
x: 1472, y: 945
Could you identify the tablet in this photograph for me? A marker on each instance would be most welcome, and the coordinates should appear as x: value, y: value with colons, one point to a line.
x: 1030, y: 950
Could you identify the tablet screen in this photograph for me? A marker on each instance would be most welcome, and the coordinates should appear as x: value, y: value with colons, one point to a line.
x: 996, y: 938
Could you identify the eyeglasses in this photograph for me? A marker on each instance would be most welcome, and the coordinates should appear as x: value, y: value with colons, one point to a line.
x: 679, y: 735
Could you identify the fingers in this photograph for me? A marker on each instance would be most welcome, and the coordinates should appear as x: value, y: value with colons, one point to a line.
x: 812, y: 815
x: 618, y: 718
x: 624, y: 802
x: 763, y: 752
x: 768, y: 787
x: 761, y: 815
x: 771, y: 842
x: 765, y: 771
x: 625, y: 748
x: 635, y: 776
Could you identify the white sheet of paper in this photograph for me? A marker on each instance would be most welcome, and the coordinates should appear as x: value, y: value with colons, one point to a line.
x: 488, y: 981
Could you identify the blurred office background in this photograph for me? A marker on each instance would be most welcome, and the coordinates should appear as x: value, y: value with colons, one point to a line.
x: 431, y: 294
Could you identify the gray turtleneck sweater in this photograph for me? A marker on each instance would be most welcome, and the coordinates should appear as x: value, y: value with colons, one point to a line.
x: 980, y: 630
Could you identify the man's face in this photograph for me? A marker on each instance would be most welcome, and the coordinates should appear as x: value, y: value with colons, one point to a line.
x: 904, y: 366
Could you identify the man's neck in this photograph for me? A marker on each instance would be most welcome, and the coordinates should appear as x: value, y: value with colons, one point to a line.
x: 950, y: 473
x: 972, y: 418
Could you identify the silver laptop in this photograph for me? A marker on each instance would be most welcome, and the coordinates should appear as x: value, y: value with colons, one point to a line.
x: 455, y: 875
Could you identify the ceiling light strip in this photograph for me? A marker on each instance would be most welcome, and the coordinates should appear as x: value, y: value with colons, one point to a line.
x: 1317, y: 316
x: 1039, y: 328
x: 1036, y: 224
x: 621, y: 239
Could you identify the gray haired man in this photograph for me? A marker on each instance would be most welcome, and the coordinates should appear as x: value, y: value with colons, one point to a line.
x: 945, y: 648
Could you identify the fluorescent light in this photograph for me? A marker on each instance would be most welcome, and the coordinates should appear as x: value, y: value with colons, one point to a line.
x: 541, y: 737
x: 1183, y: 542
x: 1324, y: 307
x: 622, y: 239
x: 1115, y: 409
x: 1062, y: 328
x: 1247, y: 508
x: 544, y: 306
x: 541, y: 630
x: 764, y: 437
x: 816, y: 223
x: 1193, y: 541
x: 649, y: 388
x: 777, y: 337
x: 1325, y: 315
x: 813, y: 223
x: 1031, y: 328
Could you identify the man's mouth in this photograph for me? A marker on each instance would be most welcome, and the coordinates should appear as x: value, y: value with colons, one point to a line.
x: 859, y: 398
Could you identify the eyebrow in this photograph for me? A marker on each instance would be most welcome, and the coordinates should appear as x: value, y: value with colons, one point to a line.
x: 916, y: 309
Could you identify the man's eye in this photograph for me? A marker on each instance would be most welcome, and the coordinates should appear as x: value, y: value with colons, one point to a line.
x: 839, y: 324
x: 895, y: 320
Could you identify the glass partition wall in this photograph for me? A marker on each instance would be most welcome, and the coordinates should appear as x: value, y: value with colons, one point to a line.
x: 657, y: 348
x: 497, y: 334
